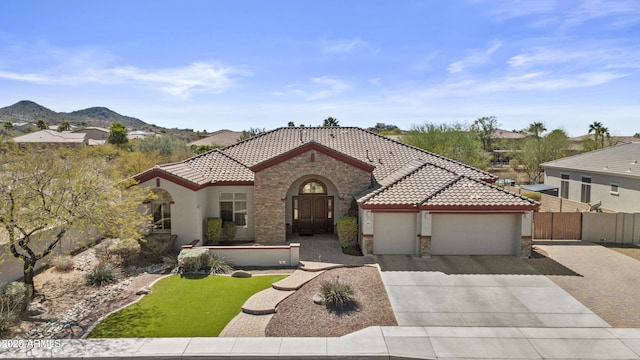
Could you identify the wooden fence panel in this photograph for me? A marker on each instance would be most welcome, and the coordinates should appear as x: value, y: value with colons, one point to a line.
x: 542, y: 225
x: 567, y: 225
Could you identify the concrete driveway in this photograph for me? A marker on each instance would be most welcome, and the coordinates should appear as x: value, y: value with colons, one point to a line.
x: 478, y: 291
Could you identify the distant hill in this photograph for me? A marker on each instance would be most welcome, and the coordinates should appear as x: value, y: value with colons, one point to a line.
x: 29, y: 111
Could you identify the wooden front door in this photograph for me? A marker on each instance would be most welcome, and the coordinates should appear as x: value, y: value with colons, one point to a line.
x: 313, y: 214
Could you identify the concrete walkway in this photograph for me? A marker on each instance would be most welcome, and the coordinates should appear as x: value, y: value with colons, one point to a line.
x: 371, y: 343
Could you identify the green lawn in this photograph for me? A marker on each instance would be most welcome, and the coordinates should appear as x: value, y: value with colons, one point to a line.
x: 183, y: 307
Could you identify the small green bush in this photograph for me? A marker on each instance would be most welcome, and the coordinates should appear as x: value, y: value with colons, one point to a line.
x: 193, y: 260
x: 348, y: 231
x: 160, y: 246
x: 228, y: 230
x: 337, y: 295
x: 13, y: 298
x: 127, y: 250
x: 63, y: 263
x: 219, y: 265
x: 214, y: 230
x: 532, y: 195
x: 104, y: 273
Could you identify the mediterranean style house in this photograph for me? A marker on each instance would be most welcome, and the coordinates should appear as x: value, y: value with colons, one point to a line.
x: 609, y: 177
x: 302, y: 180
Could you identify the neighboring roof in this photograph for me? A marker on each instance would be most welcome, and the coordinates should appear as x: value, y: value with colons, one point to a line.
x: 94, y: 142
x: 91, y: 128
x: 220, y: 138
x: 405, y: 176
x: 618, y: 160
x: 538, y: 187
x: 504, y: 134
x: 51, y: 136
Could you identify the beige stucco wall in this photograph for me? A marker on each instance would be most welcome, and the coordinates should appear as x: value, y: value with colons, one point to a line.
x: 272, y: 185
x: 627, y: 199
x: 212, y: 208
x: 278, y: 256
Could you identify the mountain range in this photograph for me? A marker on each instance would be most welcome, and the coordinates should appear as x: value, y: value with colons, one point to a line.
x: 30, y: 112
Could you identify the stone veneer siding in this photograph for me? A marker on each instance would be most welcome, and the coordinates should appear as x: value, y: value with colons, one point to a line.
x: 425, y: 245
x: 525, y: 247
x: 367, y: 244
x: 271, y: 186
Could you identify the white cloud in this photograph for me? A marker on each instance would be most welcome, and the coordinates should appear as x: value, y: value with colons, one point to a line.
x: 346, y: 46
x: 321, y: 88
x: 77, y: 67
x: 476, y: 57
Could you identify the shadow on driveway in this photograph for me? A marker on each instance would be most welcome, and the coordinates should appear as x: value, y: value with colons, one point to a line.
x: 539, y: 264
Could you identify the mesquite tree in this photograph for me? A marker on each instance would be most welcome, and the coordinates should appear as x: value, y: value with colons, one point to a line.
x: 45, y: 194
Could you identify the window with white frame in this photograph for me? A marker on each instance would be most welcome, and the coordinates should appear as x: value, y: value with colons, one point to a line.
x: 614, y: 189
x: 564, y: 186
x: 233, y: 208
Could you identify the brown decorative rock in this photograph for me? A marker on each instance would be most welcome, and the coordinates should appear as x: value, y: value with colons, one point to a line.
x: 241, y: 274
x: 143, y: 291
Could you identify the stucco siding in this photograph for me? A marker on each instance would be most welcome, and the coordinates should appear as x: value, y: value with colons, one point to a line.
x: 212, y: 209
x: 476, y: 234
x: 626, y: 200
x: 395, y: 233
x: 186, y: 210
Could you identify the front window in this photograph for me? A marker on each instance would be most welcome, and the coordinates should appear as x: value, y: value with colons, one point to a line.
x: 614, y: 189
x: 161, y: 210
x: 233, y: 208
x: 313, y: 187
x: 564, y: 186
x: 585, y: 193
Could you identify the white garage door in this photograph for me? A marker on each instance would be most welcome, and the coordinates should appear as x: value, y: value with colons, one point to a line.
x: 394, y: 233
x: 475, y: 234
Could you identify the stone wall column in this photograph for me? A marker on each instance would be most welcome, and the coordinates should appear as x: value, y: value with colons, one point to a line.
x: 367, y: 244
x: 425, y: 246
x: 525, y: 247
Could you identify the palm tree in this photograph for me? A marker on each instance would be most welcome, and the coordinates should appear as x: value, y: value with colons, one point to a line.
x: 604, y: 132
x: 598, y: 130
x: 536, y: 129
x: 65, y: 125
x: 330, y: 122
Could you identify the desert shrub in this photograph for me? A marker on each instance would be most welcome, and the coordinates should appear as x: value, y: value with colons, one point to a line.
x: 348, y: 231
x: 103, y: 274
x: 219, y: 265
x: 228, y: 230
x: 127, y: 250
x: 532, y: 195
x: 337, y: 295
x: 63, y: 263
x: 192, y: 260
x: 160, y: 246
x: 214, y: 230
x: 101, y: 249
x: 13, y: 298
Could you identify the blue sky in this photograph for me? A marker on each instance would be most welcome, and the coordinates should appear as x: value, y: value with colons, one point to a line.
x: 240, y: 64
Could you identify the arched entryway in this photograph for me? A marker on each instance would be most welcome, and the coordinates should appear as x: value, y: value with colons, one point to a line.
x: 312, y: 208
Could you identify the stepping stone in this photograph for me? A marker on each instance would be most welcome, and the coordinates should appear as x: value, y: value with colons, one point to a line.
x: 240, y: 274
x: 245, y: 325
x: 265, y: 301
x: 295, y: 280
x: 319, y: 266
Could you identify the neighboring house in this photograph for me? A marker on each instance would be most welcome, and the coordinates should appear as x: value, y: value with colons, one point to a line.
x: 609, y: 176
x: 139, y: 135
x: 218, y: 138
x: 302, y: 180
x: 95, y: 133
x: 53, y: 138
x: 504, y: 142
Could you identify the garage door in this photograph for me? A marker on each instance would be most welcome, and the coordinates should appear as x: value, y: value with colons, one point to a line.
x: 394, y: 233
x: 472, y: 234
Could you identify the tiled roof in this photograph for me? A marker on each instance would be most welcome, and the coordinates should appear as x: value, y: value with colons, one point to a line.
x: 51, y: 136
x: 220, y: 138
x: 464, y: 192
x: 620, y: 160
x: 385, y: 154
x: 433, y: 187
x: 406, y: 176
